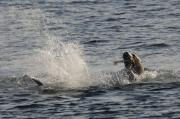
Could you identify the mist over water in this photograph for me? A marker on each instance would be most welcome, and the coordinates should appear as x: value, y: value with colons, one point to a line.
x: 70, y: 46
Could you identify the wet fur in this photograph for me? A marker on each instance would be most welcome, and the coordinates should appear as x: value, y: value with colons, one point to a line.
x: 138, y: 67
x: 133, y: 65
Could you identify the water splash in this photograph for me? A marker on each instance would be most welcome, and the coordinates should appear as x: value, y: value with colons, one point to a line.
x: 120, y: 78
x: 52, y: 61
x: 62, y: 63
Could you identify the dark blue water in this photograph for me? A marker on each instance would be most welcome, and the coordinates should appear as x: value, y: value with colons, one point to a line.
x: 70, y: 46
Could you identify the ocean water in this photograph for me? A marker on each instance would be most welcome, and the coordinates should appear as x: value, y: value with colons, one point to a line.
x: 70, y: 46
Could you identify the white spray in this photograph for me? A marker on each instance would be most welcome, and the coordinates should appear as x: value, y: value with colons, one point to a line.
x: 63, y: 63
x: 52, y: 61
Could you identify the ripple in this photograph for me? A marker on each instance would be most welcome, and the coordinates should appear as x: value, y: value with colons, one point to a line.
x: 145, y: 46
x: 113, y: 19
x: 155, y: 45
x: 96, y: 42
x: 80, y: 2
x: 29, y: 106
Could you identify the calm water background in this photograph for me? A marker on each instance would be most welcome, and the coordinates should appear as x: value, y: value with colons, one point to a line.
x: 102, y: 30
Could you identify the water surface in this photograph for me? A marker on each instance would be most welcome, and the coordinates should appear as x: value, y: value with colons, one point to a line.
x: 70, y: 45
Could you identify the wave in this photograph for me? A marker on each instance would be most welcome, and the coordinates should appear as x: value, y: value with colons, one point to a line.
x: 145, y: 46
x: 86, y: 2
x: 93, y: 42
x: 156, y: 45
